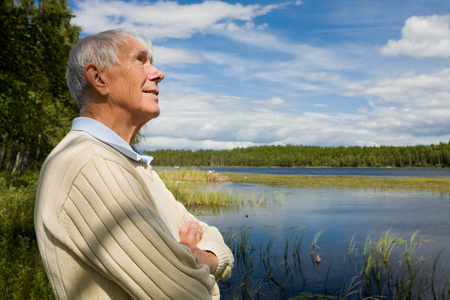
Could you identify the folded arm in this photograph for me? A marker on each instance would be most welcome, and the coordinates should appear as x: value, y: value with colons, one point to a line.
x: 113, y: 228
x: 191, y: 233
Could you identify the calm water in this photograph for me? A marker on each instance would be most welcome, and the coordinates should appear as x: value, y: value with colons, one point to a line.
x: 338, y: 214
x: 377, y: 172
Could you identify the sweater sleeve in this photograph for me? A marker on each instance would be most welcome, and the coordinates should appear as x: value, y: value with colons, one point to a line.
x: 212, y: 239
x: 111, y: 225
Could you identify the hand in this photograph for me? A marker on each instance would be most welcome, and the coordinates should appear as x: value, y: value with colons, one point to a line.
x: 191, y: 234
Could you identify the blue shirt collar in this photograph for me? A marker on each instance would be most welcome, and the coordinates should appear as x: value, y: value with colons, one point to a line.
x: 106, y: 135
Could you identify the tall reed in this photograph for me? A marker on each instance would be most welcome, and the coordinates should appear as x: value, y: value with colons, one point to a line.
x: 387, y: 272
x: 314, y: 242
x: 185, y: 174
x: 191, y: 187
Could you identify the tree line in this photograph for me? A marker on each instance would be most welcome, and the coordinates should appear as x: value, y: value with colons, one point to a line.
x: 309, y: 156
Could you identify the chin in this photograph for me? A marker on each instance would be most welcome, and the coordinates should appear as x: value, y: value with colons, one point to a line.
x: 153, y: 115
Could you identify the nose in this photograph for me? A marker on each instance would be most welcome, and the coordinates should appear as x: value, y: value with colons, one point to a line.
x: 154, y: 74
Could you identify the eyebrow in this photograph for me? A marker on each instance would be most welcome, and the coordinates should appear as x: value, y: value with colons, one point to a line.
x: 145, y: 53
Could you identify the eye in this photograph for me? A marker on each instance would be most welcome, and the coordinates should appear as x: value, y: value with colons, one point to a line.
x: 140, y: 58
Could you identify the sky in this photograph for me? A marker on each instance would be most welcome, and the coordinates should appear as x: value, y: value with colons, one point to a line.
x: 306, y: 72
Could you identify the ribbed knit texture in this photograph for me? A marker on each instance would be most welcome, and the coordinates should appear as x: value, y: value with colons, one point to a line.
x: 107, y: 228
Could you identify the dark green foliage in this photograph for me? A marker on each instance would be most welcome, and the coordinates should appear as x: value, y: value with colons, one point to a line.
x: 36, y: 107
x: 22, y: 275
x: 309, y: 156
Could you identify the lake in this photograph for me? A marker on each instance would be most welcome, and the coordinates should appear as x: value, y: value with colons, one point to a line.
x: 368, y: 172
x: 338, y: 218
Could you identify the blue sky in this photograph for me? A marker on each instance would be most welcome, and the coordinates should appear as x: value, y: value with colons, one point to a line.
x: 309, y: 72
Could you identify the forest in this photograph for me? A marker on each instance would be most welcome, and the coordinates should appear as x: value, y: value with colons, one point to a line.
x: 309, y: 156
x: 35, y: 104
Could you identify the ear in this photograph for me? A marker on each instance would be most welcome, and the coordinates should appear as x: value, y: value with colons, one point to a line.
x: 95, y: 77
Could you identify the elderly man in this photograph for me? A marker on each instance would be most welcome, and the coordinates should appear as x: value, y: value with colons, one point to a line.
x: 106, y: 225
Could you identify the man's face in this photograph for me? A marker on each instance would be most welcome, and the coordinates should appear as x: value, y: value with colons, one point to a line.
x: 133, y: 82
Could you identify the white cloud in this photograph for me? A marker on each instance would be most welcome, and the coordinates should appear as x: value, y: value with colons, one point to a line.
x: 406, y: 110
x: 363, y: 110
x: 322, y: 76
x: 422, y: 91
x: 165, y: 142
x: 408, y: 107
x: 163, y: 19
x: 164, y: 55
x: 427, y: 36
x: 275, y: 103
x: 320, y: 105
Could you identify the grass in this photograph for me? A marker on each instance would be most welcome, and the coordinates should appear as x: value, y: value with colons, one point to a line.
x: 190, y: 188
x: 436, y: 185
x: 192, y: 175
x: 194, y: 194
x: 22, y: 274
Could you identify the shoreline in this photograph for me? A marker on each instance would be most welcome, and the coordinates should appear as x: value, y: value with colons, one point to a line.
x: 423, y: 184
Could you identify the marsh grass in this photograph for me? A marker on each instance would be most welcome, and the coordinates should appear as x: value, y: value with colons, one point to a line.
x: 390, y: 268
x: 434, y: 185
x: 314, y: 242
x: 393, y: 268
x: 190, y: 187
x: 195, y: 194
x: 193, y: 175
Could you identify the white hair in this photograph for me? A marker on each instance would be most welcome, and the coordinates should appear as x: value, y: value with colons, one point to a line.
x: 101, y: 49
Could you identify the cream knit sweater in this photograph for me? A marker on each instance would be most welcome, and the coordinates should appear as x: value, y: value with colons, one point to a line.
x: 107, y: 228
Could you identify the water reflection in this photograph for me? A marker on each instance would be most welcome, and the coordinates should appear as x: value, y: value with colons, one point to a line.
x: 343, y: 217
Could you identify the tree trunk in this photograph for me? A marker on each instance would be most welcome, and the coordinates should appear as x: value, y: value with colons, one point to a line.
x: 38, y: 147
x: 2, y: 155
x: 16, y: 164
x: 10, y: 158
x: 25, y: 161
